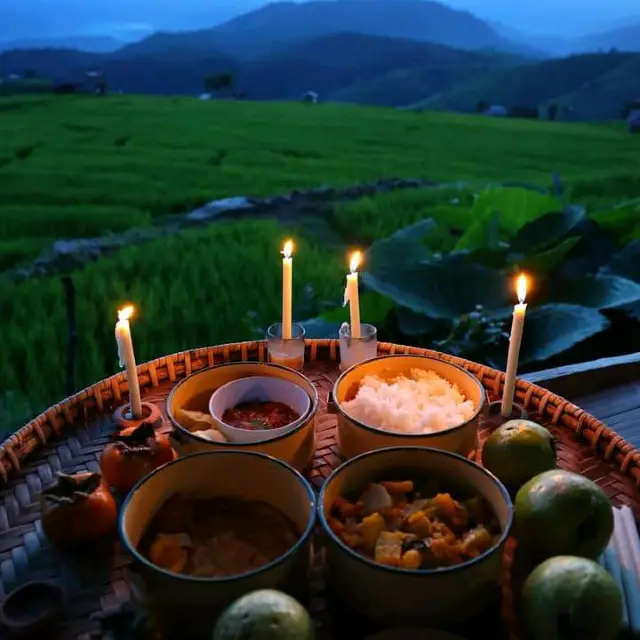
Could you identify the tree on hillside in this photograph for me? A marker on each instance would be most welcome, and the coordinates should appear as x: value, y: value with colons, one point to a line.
x: 552, y: 111
x: 218, y: 82
x: 29, y: 74
x: 481, y: 106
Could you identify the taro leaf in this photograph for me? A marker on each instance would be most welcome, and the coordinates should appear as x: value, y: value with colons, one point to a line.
x: 484, y: 231
x: 514, y: 206
x: 406, y: 244
x: 411, y: 323
x: 545, y: 261
x: 597, y: 292
x: 622, y: 219
x: 554, y: 328
x: 319, y: 329
x: 593, y: 251
x: 492, y: 258
x: 374, y: 308
x: 439, y: 289
x: 546, y: 230
x: 626, y: 263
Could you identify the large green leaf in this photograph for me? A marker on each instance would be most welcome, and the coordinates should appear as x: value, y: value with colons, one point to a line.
x: 441, y: 290
x: 622, y: 219
x: 483, y: 232
x: 411, y: 323
x: 492, y: 258
x: 547, y: 230
x: 374, y: 308
x: 545, y: 261
x: 626, y: 263
x: 554, y: 328
x: 319, y: 329
x: 406, y: 244
x: 514, y: 206
x: 597, y: 292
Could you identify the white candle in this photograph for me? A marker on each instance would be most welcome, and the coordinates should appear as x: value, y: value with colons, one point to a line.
x: 127, y: 359
x: 352, y: 297
x: 287, y: 283
x: 517, y: 326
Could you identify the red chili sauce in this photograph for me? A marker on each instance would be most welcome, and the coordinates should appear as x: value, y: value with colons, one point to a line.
x: 258, y: 415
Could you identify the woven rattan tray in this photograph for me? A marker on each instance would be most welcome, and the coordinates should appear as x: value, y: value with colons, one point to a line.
x: 69, y: 437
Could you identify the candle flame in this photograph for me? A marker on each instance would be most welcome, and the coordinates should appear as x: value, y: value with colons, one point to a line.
x: 287, y: 250
x: 355, y: 261
x: 126, y: 312
x: 521, y: 288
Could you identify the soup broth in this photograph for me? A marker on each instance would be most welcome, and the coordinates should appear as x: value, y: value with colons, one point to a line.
x: 216, y: 537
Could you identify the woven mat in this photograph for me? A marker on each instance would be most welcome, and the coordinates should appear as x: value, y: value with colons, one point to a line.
x: 98, y: 584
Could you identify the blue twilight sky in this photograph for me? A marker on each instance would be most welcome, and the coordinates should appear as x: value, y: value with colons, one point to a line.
x: 123, y: 18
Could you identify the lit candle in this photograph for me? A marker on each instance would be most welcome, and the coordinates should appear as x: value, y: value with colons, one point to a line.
x: 351, y: 295
x: 287, y: 279
x: 519, y: 312
x: 127, y: 358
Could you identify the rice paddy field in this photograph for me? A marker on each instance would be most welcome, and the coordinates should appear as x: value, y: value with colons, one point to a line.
x: 73, y: 167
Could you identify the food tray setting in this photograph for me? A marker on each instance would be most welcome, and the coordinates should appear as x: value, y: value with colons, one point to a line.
x: 91, y: 596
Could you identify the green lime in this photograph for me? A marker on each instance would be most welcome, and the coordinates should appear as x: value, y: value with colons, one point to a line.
x: 264, y: 615
x: 562, y: 513
x: 569, y: 598
x: 518, y: 450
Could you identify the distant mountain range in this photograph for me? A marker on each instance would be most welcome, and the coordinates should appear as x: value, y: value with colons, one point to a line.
x: 404, y: 52
x: 625, y: 37
x: 95, y: 44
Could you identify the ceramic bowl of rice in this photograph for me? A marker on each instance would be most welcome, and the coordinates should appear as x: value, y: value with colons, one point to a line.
x: 407, y: 401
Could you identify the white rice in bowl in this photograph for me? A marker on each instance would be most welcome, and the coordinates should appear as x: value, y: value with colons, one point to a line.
x: 422, y: 402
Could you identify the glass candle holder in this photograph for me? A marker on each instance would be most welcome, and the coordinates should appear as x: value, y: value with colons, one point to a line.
x: 355, y: 350
x: 289, y: 352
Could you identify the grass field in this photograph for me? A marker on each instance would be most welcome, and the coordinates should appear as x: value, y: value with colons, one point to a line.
x: 75, y: 167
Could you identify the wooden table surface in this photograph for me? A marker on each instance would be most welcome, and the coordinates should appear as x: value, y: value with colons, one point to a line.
x: 609, y: 389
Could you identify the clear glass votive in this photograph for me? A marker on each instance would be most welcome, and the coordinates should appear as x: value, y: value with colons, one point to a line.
x: 355, y: 350
x: 288, y: 352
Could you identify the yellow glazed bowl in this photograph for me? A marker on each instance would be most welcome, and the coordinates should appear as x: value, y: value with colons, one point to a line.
x: 192, y: 604
x: 355, y: 437
x: 296, y: 447
x: 400, y: 597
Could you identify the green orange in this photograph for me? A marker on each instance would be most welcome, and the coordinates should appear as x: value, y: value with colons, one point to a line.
x: 570, y: 598
x: 563, y: 513
x: 265, y: 615
x: 517, y: 451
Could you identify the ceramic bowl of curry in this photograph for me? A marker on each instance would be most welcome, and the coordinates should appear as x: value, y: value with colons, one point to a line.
x: 195, y: 429
x: 208, y: 528
x: 258, y: 408
x: 414, y: 536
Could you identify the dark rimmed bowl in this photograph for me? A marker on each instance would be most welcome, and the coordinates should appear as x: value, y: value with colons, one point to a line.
x: 33, y: 609
x: 192, y: 604
x: 391, y: 596
x: 355, y: 437
x: 295, y: 447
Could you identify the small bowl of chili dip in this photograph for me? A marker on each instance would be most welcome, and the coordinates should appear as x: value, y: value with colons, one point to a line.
x: 258, y: 408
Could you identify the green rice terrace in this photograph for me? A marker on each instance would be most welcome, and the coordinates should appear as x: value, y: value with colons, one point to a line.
x: 483, y: 198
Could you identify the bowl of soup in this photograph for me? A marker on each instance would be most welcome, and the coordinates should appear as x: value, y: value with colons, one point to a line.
x: 208, y: 528
x: 196, y: 430
x: 414, y: 536
x: 257, y: 408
